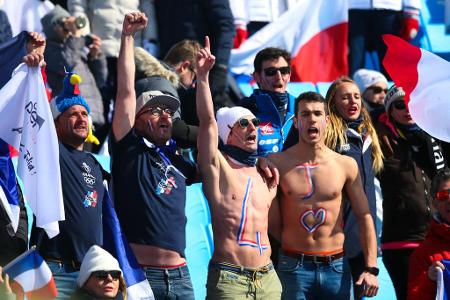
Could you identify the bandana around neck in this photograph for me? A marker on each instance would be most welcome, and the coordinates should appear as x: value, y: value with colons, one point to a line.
x: 279, y: 99
x: 244, y: 157
x: 355, y: 124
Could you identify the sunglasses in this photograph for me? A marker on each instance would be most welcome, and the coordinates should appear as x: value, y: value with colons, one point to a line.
x: 272, y: 71
x: 102, y: 275
x: 158, y: 111
x: 377, y: 89
x: 400, y: 105
x: 245, y: 122
x: 443, y: 195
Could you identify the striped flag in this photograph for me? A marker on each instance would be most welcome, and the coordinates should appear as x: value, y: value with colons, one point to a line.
x: 115, y: 243
x: 30, y: 271
x: 425, y: 78
x: 443, y: 282
x: 313, y: 31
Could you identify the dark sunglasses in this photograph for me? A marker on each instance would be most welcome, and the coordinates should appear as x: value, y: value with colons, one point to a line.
x: 102, y: 275
x: 377, y: 89
x: 245, y: 122
x: 443, y: 195
x: 158, y: 111
x: 400, y: 105
x: 272, y: 71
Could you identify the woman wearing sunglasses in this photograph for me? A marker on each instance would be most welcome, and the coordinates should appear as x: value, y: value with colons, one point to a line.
x: 100, y: 277
x: 412, y: 158
x: 428, y: 258
x: 350, y: 132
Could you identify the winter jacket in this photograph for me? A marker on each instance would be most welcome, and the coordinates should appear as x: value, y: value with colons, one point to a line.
x: 435, y: 247
x: 72, y: 56
x: 272, y: 131
x: 359, y: 148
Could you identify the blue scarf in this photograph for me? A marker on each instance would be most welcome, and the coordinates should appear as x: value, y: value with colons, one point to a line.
x: 279, y: 99
x: 355, y: 124
x: 244, y: 157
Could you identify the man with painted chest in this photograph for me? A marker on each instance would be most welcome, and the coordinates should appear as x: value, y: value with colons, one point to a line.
x: 312, y: 181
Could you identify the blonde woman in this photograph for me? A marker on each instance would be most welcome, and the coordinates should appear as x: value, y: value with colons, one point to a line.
x: 350, y: 132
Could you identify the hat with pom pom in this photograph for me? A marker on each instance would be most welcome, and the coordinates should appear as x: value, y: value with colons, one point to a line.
x: 69, y: 96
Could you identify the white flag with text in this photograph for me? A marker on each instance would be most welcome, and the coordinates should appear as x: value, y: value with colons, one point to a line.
x: 27, y: 124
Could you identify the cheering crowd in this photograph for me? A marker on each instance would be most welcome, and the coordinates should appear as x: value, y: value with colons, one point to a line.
x: 291, y: 181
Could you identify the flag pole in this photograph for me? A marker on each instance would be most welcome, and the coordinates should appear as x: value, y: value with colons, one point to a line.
x: 15, y: 260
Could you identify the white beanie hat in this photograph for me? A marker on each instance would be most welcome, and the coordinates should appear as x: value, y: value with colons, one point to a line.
x: 393, y: 94
x: 365, y: 78
x: 227, y: 117
x: 96, y: 259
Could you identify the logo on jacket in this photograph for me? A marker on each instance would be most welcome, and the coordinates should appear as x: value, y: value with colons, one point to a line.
x: 166, y: 186
x: 90, y: 200
x: 87, y: 176
x: 266, y: 128
x: 344, y: 148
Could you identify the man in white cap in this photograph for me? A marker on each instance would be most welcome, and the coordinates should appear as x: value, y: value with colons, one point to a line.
x: 149, y: 178
x: 373, y: 87
x: 100, y: 276
x: 238, y: 195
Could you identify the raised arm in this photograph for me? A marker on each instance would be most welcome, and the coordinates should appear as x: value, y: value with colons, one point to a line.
x: 360, y: 207
x: 207, y: 139
x: 125, y: 107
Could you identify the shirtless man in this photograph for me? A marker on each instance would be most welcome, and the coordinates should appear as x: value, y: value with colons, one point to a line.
x: 238, y: 195
x: 312, y: 180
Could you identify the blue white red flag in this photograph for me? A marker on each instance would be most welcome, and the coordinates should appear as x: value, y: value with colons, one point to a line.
x: 115, y: 243
x: 30, y: 271
x: 443, y: 282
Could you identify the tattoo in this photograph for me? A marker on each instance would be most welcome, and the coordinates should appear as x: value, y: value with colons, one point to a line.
x: 311, y: 220
x: 241, y: 231
x: 308, y: 173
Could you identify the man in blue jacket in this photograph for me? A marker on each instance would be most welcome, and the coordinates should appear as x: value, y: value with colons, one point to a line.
x: 271, y: 103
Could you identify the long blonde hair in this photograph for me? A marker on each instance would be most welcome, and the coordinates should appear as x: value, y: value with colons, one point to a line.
x: 335, y: 134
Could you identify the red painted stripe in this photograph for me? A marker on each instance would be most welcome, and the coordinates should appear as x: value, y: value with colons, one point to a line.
x: 400, y: 62
x: 48, y: 291
x: 323, y: 57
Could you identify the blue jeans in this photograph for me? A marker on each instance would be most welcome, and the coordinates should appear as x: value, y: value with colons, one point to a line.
x: 65, y: 279
x: 314, y: 280
x: 170, y: 283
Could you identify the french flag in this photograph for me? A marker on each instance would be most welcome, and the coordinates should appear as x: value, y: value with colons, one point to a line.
x: 443, y: 282
x: 115, y: 243
x: 30, y: 271
x: 313, y: 31
x: 425, y: 78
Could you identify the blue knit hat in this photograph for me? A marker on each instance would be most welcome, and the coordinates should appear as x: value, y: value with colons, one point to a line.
x: 69, y: 96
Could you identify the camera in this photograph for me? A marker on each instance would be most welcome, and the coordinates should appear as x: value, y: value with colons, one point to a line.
x: 88, y: 40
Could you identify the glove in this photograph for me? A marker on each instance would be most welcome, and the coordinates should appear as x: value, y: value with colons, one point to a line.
x: 410, y: 26
x: 241, y: 36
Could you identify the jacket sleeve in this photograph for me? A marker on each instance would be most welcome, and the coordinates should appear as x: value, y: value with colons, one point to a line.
x: 419, y: 285
x: 221, y: 24
x: 99, y: 69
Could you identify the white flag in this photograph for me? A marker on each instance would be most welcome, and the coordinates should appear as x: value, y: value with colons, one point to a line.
x: 27, y: 125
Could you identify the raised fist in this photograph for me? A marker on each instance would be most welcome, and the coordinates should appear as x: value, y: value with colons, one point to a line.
x: 134, y: 22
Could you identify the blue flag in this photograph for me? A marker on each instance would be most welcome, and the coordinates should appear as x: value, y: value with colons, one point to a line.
x: 443, y: 282
x: 115, y: 243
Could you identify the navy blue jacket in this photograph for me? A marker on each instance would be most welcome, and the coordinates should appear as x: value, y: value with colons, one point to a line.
x: 273, y: 131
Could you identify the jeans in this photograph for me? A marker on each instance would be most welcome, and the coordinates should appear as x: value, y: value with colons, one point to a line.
x: 231, y: 282
x: 173, y: 283
x: 314, y: 280
x: 65, y: 279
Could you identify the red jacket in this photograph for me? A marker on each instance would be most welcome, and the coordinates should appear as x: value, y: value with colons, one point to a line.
x: 436, y: 246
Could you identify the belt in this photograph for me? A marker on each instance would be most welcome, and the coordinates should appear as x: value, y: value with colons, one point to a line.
x: 241, y: 270
x: 314, y: 258
x: 71, y: 263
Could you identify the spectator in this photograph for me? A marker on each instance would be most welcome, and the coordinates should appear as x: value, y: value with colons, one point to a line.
x: 373, y: 86
x: 195, y: 19
x: 82, y: 186
x: 410, y: 161
x: 5, y: 27
x: 350, y: 132
x: 153, y: 218
x: 66, y: 51
x: 100, y: 277
x: 369, y: 20
x: 271, y: 103
x: 6, y: 292
x: 14, y: 241
x: 425, y: 260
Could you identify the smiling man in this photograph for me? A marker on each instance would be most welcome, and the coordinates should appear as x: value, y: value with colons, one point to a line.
x: 271, y: 103
x: 149, y: 177
x: 313, y: 179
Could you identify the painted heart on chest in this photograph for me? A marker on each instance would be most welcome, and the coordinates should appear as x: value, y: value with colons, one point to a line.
x: 312, y: 220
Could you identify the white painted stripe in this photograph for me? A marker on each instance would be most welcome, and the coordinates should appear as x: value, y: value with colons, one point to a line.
x: 429, y: 102
x: 34, y: 279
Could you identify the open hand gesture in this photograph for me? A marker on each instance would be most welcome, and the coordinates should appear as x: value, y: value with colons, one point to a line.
x: 134, y: 22
x: 205, y: 60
